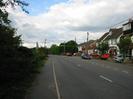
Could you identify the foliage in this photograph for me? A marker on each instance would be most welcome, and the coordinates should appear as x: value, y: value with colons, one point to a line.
x: 54, y: 49
x: 68, y: 47
x: 103, y: 47
x: 124, y: 44
x: 71, y: 46
x: 17, y: 64
x: 62, y: 48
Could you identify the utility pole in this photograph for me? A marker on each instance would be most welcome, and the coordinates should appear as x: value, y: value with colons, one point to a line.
x: 75, y: 39
x: 64, y: 48
x: 45, y: 41
x: 37, y: 45
x: 87, y: 36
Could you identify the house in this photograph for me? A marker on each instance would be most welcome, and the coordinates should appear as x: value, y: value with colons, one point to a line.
x: 92, y: 47
x: 113, y: 39
x: 87, y: 47
x: 128, y: 31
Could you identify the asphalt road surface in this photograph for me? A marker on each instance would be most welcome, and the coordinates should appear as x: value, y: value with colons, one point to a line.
x: 65, y: 77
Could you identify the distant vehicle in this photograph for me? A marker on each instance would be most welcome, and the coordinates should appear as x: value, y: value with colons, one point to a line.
x: 105, y: 56
x: 85, y: 56
x: 74, y: 54
x: 69, y: 54
x: 119, y: 58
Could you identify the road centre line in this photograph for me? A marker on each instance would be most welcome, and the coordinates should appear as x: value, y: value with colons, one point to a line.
x: 124, y: 71
x: 56, y: 84
x: 105, y: 78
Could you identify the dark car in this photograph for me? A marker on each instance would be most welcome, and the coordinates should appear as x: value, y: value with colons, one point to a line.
x: 85, y: 56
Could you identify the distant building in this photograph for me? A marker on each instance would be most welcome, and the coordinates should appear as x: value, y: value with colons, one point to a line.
x: 87, y: 47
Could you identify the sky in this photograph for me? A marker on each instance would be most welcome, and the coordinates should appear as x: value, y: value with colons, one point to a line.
x: 58, y: 21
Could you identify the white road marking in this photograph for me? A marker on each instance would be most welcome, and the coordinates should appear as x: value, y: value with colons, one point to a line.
x: 56, y: 84
x: 124, y: 71
x: 105, y: 78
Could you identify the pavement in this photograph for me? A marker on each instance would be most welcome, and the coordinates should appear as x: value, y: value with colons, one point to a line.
x: 66, y: 77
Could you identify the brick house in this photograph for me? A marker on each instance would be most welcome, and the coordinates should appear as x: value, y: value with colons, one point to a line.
x: 87, y: 47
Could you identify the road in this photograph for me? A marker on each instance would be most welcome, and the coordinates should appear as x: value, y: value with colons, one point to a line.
x: 65, y: 77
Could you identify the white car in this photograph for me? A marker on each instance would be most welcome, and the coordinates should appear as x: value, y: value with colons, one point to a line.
x: 119, y: 58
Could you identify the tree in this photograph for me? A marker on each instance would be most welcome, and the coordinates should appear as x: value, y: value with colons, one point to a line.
x: 16, y: 62
x: 8, y: 39
x: 103, y: 47
x: 71, y: 46
x: 54, y: 49
x: 124, y: 44
x: 62, y: 48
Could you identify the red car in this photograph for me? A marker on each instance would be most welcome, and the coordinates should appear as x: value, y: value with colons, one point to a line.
x: 105, y: 56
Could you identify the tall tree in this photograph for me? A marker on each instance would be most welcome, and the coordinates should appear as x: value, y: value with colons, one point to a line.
x: 103, y: 47
x: 124, y: 44
x: 62, y: 48
x: 71, y: 47
x: 54, y: 49
x: 9, y: 41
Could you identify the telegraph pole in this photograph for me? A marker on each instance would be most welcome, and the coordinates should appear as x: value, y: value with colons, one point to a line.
x: 75, y: 39
x: 45, y: 41
x: 64, y: 48
x: 87, y: 36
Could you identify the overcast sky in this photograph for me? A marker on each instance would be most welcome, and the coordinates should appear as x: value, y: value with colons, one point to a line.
x: 63, y: 20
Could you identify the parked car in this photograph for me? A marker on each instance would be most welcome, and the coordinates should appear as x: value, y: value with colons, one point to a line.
x: 119, y: 58
x: 85, y: 56
x: 105, y: 56
x: 68, y: 54
x: 74, y: 54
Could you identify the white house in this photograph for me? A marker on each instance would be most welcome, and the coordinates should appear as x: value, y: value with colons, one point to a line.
x: 113, y: 40
x: 128, y: 31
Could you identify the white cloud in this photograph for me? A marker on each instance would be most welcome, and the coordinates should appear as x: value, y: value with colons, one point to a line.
x: 66, y: 20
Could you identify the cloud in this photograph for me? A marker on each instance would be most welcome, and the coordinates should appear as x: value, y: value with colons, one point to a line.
x: 67, y: 20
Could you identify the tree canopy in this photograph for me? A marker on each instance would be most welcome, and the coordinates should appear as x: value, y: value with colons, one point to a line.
x: 103, y: 47
x: 124, y: 44
x: 68, y: 47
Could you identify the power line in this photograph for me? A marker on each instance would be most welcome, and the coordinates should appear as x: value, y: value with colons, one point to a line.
x: 120, y: 22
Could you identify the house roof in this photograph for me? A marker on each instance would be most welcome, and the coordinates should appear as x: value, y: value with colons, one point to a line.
x: 103, y: 37
x: 86, y: 43
x: 115, y: 33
